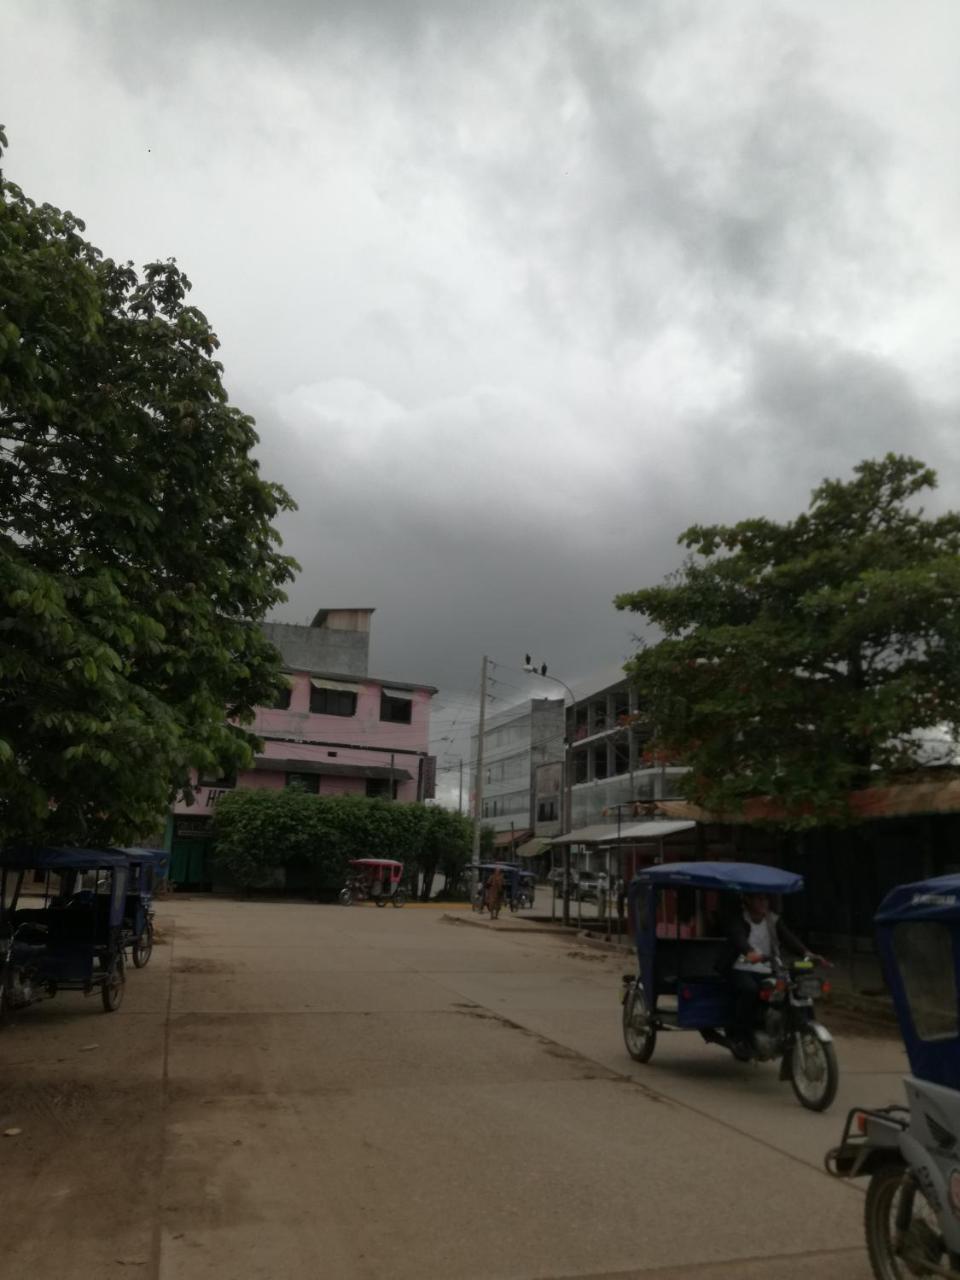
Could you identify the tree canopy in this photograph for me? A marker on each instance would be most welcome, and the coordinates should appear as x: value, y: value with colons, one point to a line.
x: 261, y: 831
x: 801, y: 660
x: 137, y: 550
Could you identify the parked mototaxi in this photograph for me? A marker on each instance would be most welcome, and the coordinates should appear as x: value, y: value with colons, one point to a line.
x: 374, y: 879
x: 677, y: 911
x: 61, y: 924
x: 911, y: 1153
x: 147, y: 868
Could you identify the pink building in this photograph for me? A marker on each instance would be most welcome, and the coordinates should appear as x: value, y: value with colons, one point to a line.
x: 337, y: 732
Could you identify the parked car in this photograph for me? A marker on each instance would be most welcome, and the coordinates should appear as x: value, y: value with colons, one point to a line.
x: 591, y: 886
x: 585, y: 886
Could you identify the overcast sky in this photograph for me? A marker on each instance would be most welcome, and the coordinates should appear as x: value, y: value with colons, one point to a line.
x: 516, y: 291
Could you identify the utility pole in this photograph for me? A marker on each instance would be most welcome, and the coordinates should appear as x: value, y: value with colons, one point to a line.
x: 478, y: 787
x: 460, y: 800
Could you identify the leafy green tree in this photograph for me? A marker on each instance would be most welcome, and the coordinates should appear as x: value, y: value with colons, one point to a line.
x: 799, y: 661
x: 446, y: 846
x: 260, y: 831
x: 137, y: 550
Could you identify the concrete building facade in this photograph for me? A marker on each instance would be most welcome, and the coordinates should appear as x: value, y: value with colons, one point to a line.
x: 517, y: 741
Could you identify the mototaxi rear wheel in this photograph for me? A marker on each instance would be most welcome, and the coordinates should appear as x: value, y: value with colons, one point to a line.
x: 111, y: 989
x: 143, y: 947
x: 399, y: 898
x: 639, y: 1029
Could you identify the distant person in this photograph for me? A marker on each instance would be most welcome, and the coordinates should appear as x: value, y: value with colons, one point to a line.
x: 493, y: 893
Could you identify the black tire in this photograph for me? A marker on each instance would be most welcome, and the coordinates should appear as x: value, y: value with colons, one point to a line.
x: 399, y: 898
x: 640, y: 1040
x: 922, y: 1238
x: 143, y: 947
x: 111, y: 989
x: 815, y: 1092
x: 345, y: 897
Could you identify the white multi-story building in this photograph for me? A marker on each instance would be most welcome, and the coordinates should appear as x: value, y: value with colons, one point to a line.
x: 516, y: 742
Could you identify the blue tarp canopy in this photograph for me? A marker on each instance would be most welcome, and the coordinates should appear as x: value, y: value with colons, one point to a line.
x: 742, y: 877
x: 23, y: 858
x: 936, y: 899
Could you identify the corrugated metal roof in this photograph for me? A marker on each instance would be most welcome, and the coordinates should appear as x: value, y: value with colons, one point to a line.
x: 898, y: 800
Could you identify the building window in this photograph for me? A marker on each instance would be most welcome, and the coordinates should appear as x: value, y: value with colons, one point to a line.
x: 211, y: 778
x: 309, y: 782
x: 396, y: 710
x: 547, y: 811
x: 621, y: 756
x: 600, y: 760
x: 282, y: 701
x: 381, y: 789
x: 332, y: 702
x: 580, y: 766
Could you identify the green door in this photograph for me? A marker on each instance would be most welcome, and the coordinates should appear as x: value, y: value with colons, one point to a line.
x: 188, y: 862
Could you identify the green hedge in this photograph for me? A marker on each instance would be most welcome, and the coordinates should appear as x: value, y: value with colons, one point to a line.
x: 313, y: 837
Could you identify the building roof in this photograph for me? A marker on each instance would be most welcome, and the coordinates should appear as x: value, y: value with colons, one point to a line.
x: 348, y: 679
x: 285, y: 764
x: 511, y: 837
x: 925, y: 794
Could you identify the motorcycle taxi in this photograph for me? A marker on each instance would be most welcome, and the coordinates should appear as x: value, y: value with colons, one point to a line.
x: 676, y: 912
x: 911, y: 1154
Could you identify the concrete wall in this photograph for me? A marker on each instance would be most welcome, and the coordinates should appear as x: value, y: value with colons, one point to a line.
x: 320, y: 649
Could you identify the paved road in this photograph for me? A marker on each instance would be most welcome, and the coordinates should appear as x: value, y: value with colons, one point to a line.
x: 293, y: 1092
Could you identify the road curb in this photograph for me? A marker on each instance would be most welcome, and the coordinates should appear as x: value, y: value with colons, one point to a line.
x: 504, y: 926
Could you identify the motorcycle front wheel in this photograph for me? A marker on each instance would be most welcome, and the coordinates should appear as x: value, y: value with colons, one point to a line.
x: 814, y: 1073
x: 903, y: 1234
x: 639, y: 1033
x: 345, y: 897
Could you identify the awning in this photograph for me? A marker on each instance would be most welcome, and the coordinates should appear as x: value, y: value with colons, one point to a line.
x: 340, y: 685
x: 628, y: 832
x: 531, y: 848
x: 286, y: 764
x: 502, y: 838
x: 405, y: 694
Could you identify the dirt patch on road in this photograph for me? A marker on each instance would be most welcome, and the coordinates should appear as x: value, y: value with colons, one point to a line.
x: 201, y: 965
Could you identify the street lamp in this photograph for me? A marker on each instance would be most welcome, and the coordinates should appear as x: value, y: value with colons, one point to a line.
x: 541, y: 672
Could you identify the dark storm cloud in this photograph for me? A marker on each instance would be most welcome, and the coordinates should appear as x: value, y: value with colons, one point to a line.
x: 518, y: 292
